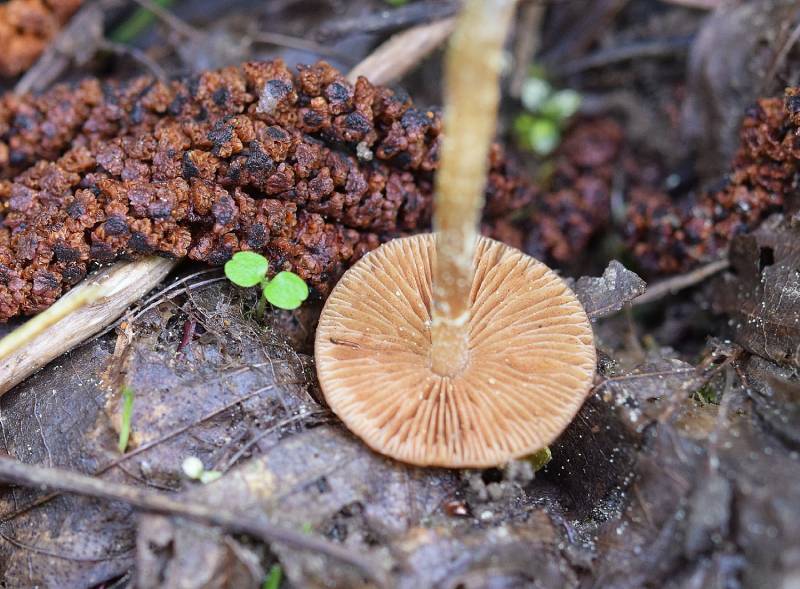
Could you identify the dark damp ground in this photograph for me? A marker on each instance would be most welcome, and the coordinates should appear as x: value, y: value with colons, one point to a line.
x: 682, y: 468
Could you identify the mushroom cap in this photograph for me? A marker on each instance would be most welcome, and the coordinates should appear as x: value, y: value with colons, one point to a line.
x: 531, y: 357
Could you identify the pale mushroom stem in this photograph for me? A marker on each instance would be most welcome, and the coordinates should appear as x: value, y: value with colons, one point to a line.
x: 472, y: 70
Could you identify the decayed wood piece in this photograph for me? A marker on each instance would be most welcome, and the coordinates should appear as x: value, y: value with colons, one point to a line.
x: 77, y: 316
x: 84, y: 312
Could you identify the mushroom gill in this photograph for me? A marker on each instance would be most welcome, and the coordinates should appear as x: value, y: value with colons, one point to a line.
x: 531, y: 357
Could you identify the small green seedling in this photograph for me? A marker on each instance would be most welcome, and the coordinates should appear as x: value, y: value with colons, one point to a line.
x: 706, y: 395
x: 193, y: 468
x: 127, y: 412
x: 547, y: 112
x: 273, y: 580
x: 540, y: 459
x: 286, y: 290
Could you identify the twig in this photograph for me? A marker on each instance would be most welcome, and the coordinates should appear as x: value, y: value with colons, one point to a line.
x: 383, y: 21
x: 526, y: 43
x: 780, y: 56
x: 699, y: 4
x: 604, y: 57
x: 253, y: 523
x: 670, y: 286
x: 170, y: 19
x: 78, y: 315
x: 408, y: 47
x: 262, y: 434
x: 6, y: 517
x: 128, y: 281
x: 579, y: 37
x: 77, y: 40
x: 283, y: 40
x: 137, y: 55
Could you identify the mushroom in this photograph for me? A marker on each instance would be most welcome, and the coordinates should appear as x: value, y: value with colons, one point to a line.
x: 450, y: 349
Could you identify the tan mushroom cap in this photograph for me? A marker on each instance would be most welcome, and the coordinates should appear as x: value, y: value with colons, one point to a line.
x: 531, y: 364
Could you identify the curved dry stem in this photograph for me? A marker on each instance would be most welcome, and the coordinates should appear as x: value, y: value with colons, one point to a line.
x: 473, y: 67
x: 76, y: 316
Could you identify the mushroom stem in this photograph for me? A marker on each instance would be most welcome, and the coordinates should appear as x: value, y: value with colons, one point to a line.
x: 472, y: 70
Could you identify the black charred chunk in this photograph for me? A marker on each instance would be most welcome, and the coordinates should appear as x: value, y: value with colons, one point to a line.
x: 73, y: 273
x: 357, y: 122
x: 64, y: 253
x: 220, y: 96
x: 414, y: 119
x: 75, y: 210
x: 257, y: 237
x: 44, y: 281
x: 190, y: 169
x: 221, y: 134
x: 138, y: 243
x: 258, y: 161
x: 115, y: 226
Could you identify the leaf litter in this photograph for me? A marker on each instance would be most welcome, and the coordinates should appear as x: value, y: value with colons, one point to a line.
x: 677, y: 472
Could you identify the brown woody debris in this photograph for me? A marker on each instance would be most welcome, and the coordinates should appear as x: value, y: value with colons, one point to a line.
x: 672, y: 237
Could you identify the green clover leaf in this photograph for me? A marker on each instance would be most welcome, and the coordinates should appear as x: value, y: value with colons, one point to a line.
x: 561, y: 105
x: 287, y: 290
x: 543, y: 136
x: 246, y: 268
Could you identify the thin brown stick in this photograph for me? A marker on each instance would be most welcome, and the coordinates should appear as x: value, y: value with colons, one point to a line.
x: 78, y: 40
x: 526, y: 44
x: 409, y: 47
x: 670, y: 286
x: 6, y: 517
x: 698, y: 4
x: 253, y: 523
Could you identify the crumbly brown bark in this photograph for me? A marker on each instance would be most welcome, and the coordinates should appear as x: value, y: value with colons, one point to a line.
x: 667, y: 237
x: 306, y: 167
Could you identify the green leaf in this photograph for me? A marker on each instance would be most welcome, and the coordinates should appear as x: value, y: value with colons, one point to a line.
x: 562, y: 105
x: 192, y: 467
x: 544, y: 136
x: 273, y: 580
x: 534, y: 92
x: 287, y: 290
x: 139, y: 21
x: 127, y: 412
x: 540, y: 459
x: 246, y: 268
x: 209, y: 476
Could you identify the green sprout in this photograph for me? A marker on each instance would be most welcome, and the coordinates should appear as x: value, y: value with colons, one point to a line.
x: 547, y: 113
x: 706, y: 395
x: 286, y: 290
x: 396, y: 3
x: 139, y: 21
x: 273, y: 580
x: 193, y: 468
x: 540, y: 459
x: 127, y: 412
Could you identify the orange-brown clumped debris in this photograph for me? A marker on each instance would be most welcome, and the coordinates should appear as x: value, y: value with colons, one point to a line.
x: 303, y: 166
x: 669, y: 237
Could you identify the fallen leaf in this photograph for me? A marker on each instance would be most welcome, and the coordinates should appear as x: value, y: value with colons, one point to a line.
x: 607, y: 294
x: 761, y: 293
